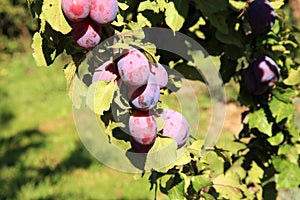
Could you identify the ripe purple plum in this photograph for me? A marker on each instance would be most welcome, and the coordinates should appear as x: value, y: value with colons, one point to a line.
x: 145, y: 97
x: 261, y: 16
x: 105, y: 72
x: 103, y: 11
x: 142, y: 127
x: 86, y: 33
x: 176, y: 126
x: 261, y: 74
x: 134, y: 68
x: 160, y: 74
x: 76, y: 10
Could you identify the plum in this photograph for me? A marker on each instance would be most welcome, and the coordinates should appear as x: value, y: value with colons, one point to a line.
x: 142, y: 127
x: 145, y: 97
x: 105, y: 72
x: 261, y: 74
x: 160, y: 74
x: 133, y: 68
x: 76, y: 10
x: 176, y: 126
x: 103, y: 11
x: 261, y: 16
x: 86, y: 33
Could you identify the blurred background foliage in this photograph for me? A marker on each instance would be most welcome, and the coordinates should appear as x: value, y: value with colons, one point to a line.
x: 16, y: 26
x: 41, y: 156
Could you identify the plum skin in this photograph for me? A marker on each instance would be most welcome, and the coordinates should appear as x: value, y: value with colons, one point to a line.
x: 133, y: 68
x: 261, y: 16
x: 145, y: 97
x: 86, y: 34
x: 76, y: 10
x: 142, y: 127
x: 105, y: 72
x: 176, y: 126
x: 261, y: 74
x: 103, y: 11
x: 160, y: 74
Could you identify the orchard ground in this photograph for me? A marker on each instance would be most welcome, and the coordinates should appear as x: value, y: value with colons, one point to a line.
x: 41, y: 155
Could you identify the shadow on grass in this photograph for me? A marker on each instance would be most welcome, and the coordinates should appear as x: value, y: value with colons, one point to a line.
x: 13, y: 151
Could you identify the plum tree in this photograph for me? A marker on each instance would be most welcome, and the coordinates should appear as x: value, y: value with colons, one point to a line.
x: 76, y: 10
x: 142, y: 127
x: 105, y: 72
x: 103, y: 11
x: 160, y: 74
x: 86, y: 33
x: 134, y: 68
x: 261, y: 74
x: 261, y: 16
x: 176, y: 126
x: 145, y: 97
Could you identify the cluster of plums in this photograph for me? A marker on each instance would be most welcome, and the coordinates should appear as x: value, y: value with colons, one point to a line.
x: 87, y: 17
x: 143, y: 81
x: 263, y: 72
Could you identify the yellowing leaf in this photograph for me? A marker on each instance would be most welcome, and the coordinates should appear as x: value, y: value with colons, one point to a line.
x: 75, y: 87
x: 53, y: 14
x: 123, y: 6
x: 276, y: 4
x: 148, y: 5
x: 38, y: 53
x: 173, y: 19
x: 100, y: 95
x: 294, y: 77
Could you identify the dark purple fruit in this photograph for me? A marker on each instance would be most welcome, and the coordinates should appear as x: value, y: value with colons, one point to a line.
x: 261, y: 74
x: 261, y: 16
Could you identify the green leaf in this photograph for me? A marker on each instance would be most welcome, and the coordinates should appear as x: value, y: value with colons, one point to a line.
x: 218, y: 20
x: 52, y: 13
x: 259, y: 120
x: 293, y: 78
x: 119, y: 21
x: 211, y: 6
x: 277, y: 139
x: 229, y: 186
x: 141, y: 22
x: 177, y: 192
x: 162, y: 153
x: 239, y: 5
x: 183, y: 159
x: 173, y: 19
x: 195, y: 147
x: 231, y: 39
x: 201, y: 181
x: 38, y: 53
x: 123, y: 6
x: 148, y: 5
x: 276, y: 4
x: 255, y: 174
x: 290, y: 151
x: 284, y: 95
x: 100, y: 95
x: 281, y: 110
x: 288, y: 176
